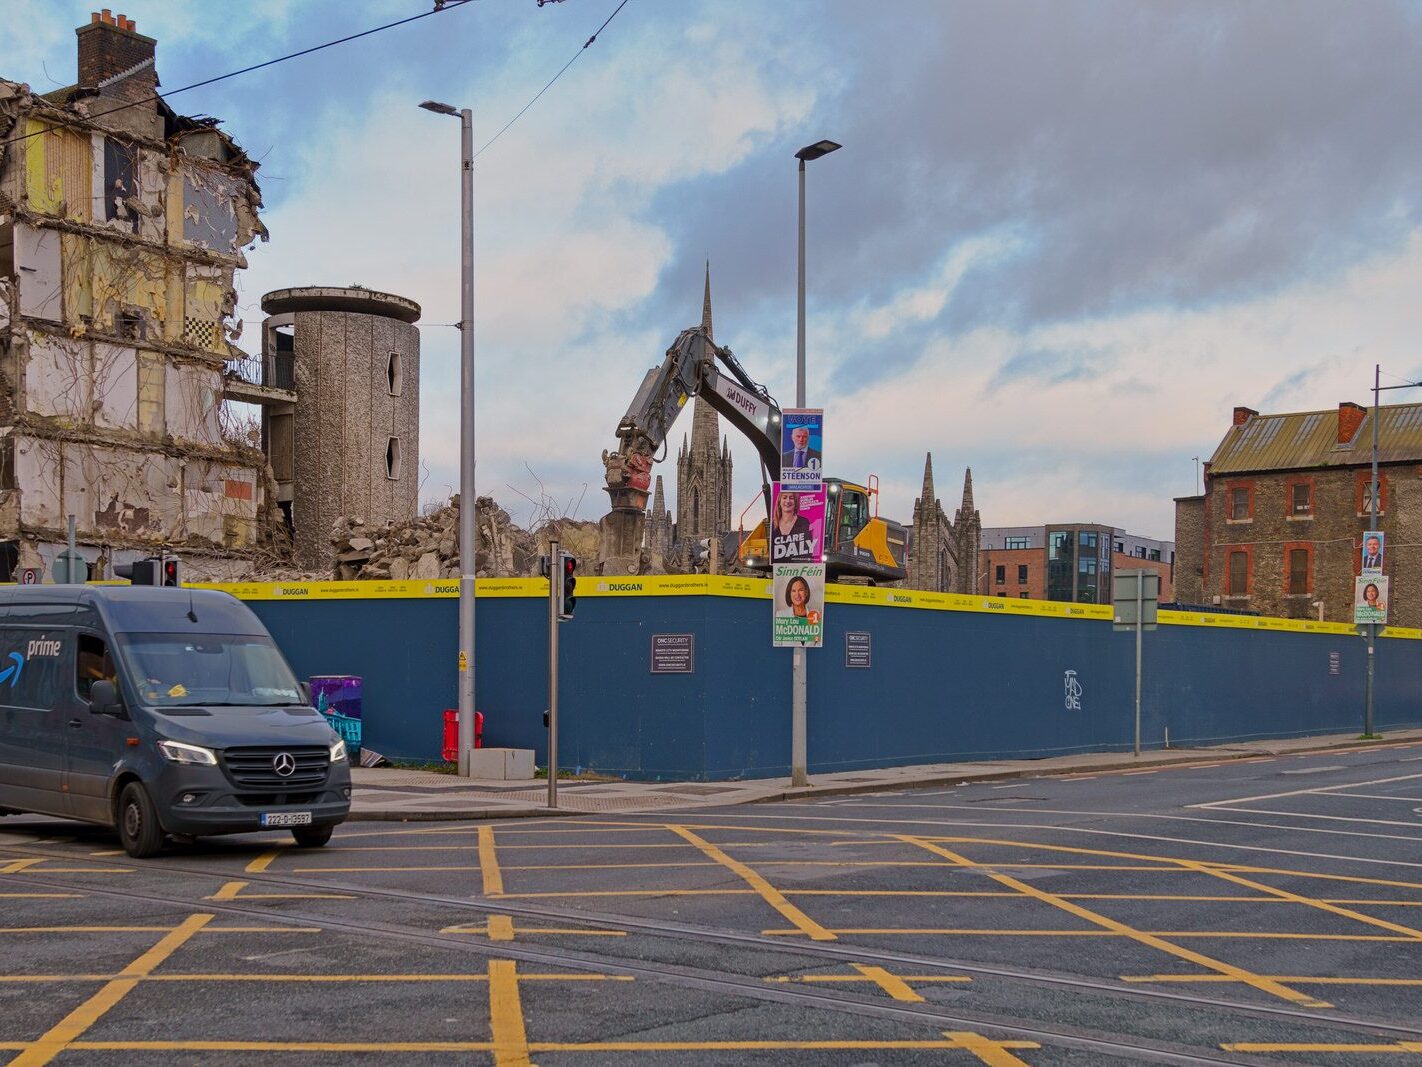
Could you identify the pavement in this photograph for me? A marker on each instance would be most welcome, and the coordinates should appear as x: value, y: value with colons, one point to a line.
x: 393, y: 794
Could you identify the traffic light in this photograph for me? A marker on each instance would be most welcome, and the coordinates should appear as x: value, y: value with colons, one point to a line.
x: 172, y: 572
x: 140, y: 572
x: 567, y: 600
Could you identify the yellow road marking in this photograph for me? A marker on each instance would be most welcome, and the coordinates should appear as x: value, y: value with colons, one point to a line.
x: 1297, y: 979
x: 1284, y: 894
x: 993, y: 1053
x: 611, y: 866
x: 782, y: 978
x: 1250, y: 1046
x: 262, y: 862
x: 506, y: 1015
x: 233, y: 891
x: 634, y: 893
x: 1150, y: 940
x: 538, y: 1046
x: 489, y: 863
x: 768, y: 892
x: 488, y: 931
x: 62, y: 1034
x: 891, y: 984
x: 501, y: 928
x: 16, y: 866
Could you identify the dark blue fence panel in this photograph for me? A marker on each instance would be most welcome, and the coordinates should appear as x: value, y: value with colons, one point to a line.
x: 942, y: 685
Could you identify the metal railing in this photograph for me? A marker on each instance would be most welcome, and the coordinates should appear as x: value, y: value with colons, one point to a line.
x: 277, y: 371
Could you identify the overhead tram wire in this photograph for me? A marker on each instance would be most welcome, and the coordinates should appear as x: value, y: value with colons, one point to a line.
x: 555, y: 77
x: 447, y: 5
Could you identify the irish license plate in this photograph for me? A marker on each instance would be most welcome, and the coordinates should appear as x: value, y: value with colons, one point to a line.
x: 286, y: 818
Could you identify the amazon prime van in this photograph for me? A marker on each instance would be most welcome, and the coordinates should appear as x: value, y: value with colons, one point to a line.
x: 159, y: 711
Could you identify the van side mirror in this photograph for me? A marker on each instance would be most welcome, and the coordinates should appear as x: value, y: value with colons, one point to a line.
x: 305, y: 688
x: 104, y: 699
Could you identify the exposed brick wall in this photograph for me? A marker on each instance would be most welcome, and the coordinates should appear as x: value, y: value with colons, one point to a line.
x: 1189, y: 572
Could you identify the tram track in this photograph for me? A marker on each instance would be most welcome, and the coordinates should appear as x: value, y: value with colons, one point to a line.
x: 717, y: 981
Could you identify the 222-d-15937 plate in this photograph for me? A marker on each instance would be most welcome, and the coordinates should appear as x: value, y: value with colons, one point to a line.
x: 286, y: 818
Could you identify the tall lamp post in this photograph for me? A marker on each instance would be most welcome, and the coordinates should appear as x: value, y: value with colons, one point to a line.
x: 1374, y: 505
x: 467, y: 501
x: 799, y: 699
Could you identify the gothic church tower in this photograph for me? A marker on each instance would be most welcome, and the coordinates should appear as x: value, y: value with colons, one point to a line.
x: 944, y: 555
x: 703, y: 468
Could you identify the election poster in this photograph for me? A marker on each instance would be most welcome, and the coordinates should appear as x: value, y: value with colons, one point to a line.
x: 801, y: 447
x: 1370, y: 599
x: 799, y: 603
x: 797, y: 526
x: 1372, y: 552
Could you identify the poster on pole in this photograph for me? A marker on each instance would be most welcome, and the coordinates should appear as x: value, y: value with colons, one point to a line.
x: 797, y: 526
x: 1371, y: 562
x: 799, y: 605
x: 1370, y: 599
x: 801, y: 448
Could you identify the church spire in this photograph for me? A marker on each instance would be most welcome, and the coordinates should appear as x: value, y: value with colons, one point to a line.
x: 706, y: 304
x: 928, y: 493
x: 968, y: 508
x: 658, y: 500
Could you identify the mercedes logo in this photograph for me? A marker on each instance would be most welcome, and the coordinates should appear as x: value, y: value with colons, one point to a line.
x: 284, y: 763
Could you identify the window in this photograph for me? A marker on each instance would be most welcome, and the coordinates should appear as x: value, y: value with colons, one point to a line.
x: 1155, y: 555
x: 1239, y: 503
x: 394, y: 374
x: 1022, y: 574
x: 1298, y: 577
x: 1121, y: 546
x: 1362, y: 492
x: 1238, y: 574
x: 92, y: 664
x: 1016, y: 542
x: 1139, y: 553
x: 1301, y: 498
x: 1001, y: 574
x: 392, y: 458
x: 1087, y: 538
x: 1087, y: 564
x: 1056, y: 542
x: 1024, y: 596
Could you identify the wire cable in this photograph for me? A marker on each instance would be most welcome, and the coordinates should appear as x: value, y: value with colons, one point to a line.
x: 555, y: 77
x: 447, y: 5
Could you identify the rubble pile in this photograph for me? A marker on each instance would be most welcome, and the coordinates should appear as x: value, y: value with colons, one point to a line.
x: 428, y: 546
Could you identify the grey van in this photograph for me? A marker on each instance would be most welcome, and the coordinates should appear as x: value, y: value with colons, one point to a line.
x: 159, y: 711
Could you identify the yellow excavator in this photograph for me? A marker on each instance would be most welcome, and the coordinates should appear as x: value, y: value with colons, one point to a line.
x: 858, y: 542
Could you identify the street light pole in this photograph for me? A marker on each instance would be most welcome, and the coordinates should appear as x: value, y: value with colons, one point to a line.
x: 799, y: 747
x: 468, y: 544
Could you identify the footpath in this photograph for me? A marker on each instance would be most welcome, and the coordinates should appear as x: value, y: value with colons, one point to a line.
x: 396, y: 794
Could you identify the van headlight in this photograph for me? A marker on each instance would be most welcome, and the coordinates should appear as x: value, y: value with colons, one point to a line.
x: 181, y: 753
x: 338, y: 751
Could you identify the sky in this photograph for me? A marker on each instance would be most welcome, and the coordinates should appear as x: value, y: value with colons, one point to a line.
x: 1062, y: 240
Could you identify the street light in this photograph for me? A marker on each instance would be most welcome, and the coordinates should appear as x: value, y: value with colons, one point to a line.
x: 467, y: 499
x: 798, y: 747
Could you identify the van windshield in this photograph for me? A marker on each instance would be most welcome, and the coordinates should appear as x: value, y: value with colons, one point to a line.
x: 185, y: 669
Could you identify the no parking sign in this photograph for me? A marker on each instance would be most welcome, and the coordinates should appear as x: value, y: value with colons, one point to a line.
x: 30, y: 576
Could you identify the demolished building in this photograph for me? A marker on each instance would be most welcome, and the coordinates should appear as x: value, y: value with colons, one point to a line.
x: 122, y: 224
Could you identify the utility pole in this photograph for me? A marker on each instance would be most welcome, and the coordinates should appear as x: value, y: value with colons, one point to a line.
x: 555, y: 579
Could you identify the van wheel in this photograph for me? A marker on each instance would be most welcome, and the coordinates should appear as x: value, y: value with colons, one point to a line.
x: 138, y: 827
x: 311, y: 836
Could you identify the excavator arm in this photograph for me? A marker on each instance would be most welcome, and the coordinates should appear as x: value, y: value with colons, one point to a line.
x: 689, y: 369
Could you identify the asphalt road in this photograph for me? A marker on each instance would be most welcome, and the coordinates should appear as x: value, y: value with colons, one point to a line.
x: 1261, y: 911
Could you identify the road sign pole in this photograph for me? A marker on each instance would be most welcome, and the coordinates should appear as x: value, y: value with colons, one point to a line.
x: 555, y: 577
x: 1140, y: 628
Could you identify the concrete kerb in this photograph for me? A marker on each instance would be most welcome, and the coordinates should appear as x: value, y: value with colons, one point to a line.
x: 753, y: 793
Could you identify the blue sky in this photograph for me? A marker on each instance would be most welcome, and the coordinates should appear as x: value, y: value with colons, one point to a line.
x: 1062, y: 241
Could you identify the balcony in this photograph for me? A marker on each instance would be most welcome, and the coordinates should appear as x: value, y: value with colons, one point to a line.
x: 261, y: 379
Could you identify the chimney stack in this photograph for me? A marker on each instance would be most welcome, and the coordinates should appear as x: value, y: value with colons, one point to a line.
x: 110, y: 45
x: 1243, y: 415
x: 1350, y: 417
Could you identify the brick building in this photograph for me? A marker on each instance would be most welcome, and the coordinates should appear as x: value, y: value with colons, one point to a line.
x: 1279, y: 526
x: 1067, y: 561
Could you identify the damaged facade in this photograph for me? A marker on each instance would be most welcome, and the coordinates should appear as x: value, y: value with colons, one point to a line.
x: 121, y: 226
